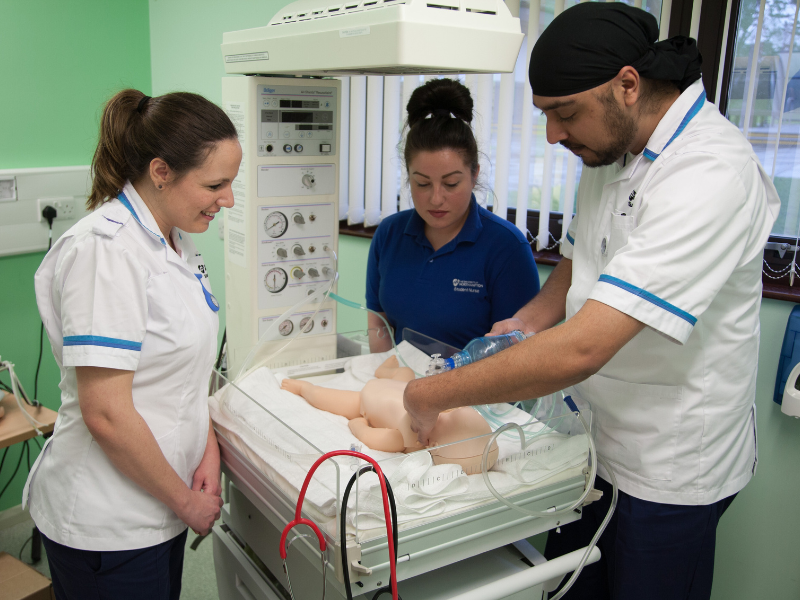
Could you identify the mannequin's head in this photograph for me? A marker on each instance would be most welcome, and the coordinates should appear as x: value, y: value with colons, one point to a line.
x: 462, y: 424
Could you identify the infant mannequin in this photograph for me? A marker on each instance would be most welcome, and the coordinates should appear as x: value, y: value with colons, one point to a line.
x: 379, y: 420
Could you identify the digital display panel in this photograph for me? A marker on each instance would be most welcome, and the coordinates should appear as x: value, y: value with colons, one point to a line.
x: 297, y: 117
x: 299, y: 103
x: 306, y: 117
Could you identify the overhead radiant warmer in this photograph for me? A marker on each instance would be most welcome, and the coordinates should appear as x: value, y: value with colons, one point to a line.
x: 378, y: 37
x: 280, y: 234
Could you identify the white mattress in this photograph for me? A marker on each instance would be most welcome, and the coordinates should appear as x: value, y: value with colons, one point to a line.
x: 284, y: 440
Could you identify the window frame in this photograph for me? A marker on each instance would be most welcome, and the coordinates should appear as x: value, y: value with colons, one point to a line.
x: 711, y: 34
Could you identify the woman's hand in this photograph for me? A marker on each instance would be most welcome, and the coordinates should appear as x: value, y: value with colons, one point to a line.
x: 106, y: 400
x: 199, y: 511
x: 206, y: 476
x: 203, y: 507
x: 380, y: 340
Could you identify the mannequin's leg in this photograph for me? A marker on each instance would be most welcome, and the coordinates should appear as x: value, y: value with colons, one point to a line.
x: 391, y: 369
x: 338, y: 402
x: 377, y: 438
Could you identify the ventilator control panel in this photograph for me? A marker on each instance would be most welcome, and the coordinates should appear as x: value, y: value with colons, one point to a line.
x: 294, y: 252
x: 281, y: 235
x: 296, y: 120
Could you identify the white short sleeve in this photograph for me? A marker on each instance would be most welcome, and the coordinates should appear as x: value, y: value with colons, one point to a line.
x: 691, y: 234
x: 100, y: 291
x: 568, y: 244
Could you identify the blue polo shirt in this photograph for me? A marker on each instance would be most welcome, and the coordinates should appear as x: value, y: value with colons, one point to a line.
x: 484, y: 275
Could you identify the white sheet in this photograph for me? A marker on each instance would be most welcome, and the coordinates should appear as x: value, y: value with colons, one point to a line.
x: 423, y: 491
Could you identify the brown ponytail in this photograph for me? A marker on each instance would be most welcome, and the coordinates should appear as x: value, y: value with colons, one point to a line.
x: 180, y: 128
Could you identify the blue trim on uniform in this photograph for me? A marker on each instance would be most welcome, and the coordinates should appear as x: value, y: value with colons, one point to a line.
x: 106, y: 342
x: 645, y: 295
x: 649, y: 154
x: 212, y: 302
x: 698, y: 104
x: 127, y: 204
x: 570, y: 239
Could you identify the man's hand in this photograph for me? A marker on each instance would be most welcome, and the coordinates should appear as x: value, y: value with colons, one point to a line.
x: 423, y: 419
x: 509, y: 325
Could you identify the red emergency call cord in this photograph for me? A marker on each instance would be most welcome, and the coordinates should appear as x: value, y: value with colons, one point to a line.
x: 299, y: 520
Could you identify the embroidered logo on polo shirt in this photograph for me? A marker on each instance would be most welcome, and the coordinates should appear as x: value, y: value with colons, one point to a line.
x: 472, y: 287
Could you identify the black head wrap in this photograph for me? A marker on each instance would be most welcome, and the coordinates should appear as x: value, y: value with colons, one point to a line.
x: 587, y: 45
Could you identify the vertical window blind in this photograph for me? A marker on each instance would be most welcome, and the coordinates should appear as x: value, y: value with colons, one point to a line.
x: 519, y: 169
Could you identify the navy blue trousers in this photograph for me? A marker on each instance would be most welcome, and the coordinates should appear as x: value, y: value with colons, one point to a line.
x: 649, y: 550
x: 152, y: 573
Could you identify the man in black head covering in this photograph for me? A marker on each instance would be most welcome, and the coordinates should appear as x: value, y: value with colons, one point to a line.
x: 603, y: 83
x: 660, y: 286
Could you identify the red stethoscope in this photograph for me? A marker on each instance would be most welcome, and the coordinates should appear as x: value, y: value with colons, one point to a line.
x: 298, y: 520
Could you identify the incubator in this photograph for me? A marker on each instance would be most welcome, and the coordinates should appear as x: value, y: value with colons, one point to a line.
x: 454, y: 535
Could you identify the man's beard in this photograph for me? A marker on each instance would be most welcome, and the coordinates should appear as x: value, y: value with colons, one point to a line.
x: 620, y: 127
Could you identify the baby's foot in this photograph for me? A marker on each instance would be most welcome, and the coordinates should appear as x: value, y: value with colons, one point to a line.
x: 296, y: 386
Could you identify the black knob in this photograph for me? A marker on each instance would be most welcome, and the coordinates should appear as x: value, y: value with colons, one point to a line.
x: 298, y: 147
x: 287, y: 147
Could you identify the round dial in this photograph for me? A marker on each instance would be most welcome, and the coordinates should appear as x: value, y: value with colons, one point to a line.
x: 275, y: 280
x: 275, y: 224
x: 306, y: 324
x: 286, y: 327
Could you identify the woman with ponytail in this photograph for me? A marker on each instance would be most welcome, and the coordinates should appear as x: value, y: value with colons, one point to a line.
x: 448, y: 268
x: 127, y: 305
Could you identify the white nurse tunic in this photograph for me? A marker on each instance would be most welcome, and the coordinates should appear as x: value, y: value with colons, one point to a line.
x: 112, y: 293
x: 674, y: 237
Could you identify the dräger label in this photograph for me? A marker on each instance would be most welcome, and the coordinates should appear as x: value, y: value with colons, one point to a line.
x: 354, y: 31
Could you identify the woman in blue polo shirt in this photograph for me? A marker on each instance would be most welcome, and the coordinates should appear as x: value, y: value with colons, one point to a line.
x: 447, y: 268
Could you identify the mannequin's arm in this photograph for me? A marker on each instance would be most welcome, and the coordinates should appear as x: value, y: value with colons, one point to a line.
x: 384, y: 440
x: 391, y: 369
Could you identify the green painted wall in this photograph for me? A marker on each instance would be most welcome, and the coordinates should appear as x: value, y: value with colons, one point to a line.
x: 59, y: 63
x: 185, y: 38
x: 756, y: 553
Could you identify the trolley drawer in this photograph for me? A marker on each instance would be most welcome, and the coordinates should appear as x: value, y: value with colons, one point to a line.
x: 237, y: 576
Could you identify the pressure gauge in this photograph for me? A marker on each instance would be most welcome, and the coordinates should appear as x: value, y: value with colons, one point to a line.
x: 275, y: 224
x: 306, y: 324
x: 286, y: 327
x: 275, y: 280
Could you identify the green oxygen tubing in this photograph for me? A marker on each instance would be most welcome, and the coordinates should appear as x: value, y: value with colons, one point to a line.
x: 389, y: 328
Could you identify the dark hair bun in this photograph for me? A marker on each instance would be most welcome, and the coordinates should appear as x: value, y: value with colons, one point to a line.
x: 440, y: 97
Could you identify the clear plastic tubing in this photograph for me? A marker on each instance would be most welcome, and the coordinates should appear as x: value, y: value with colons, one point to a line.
x: 476, y: 350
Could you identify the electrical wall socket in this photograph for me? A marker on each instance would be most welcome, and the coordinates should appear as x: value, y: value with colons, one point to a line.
x: 22, y: 228
x: 65, y: 207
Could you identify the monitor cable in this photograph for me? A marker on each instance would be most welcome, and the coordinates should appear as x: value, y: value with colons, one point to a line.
x: 49, y: 214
